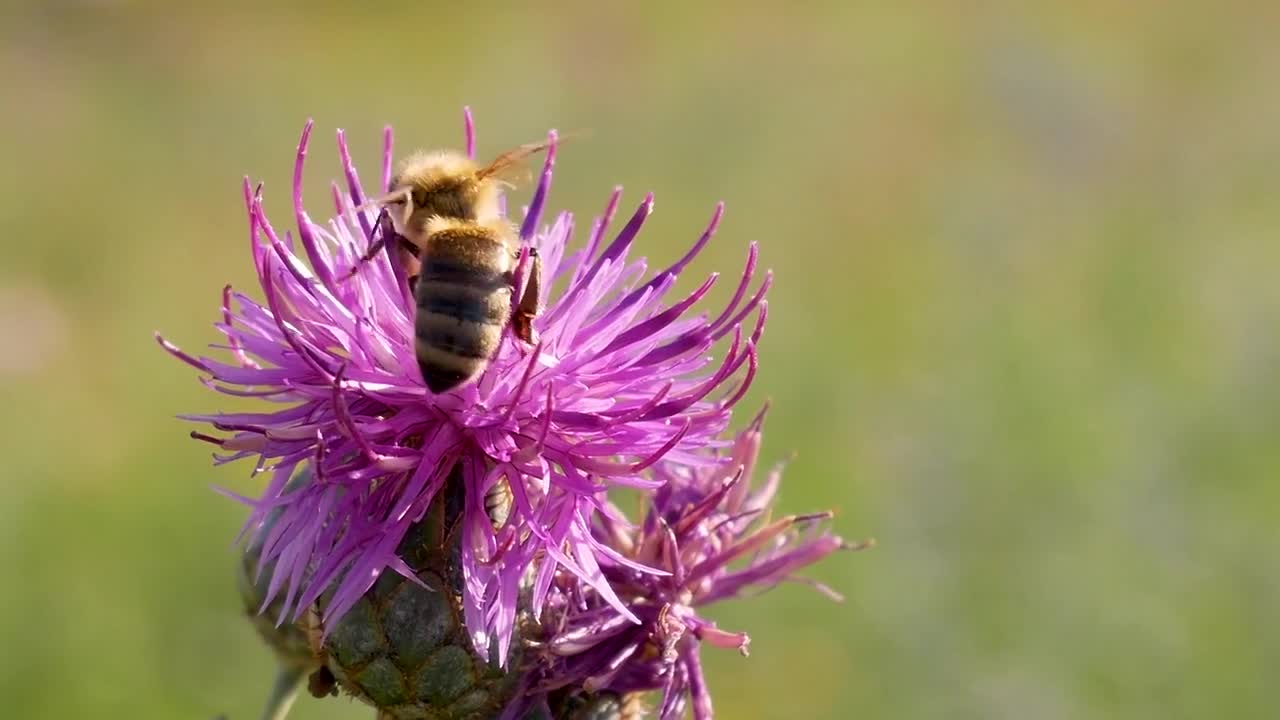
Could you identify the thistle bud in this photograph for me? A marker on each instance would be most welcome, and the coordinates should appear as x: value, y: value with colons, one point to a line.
x: 403, y: 647
x: 287, y: 639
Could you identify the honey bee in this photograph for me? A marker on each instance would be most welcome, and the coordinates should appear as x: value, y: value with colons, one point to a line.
x: 460, y: 255
x: 497, y: 503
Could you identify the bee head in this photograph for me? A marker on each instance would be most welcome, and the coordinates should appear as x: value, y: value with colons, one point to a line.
x: 443, y: 185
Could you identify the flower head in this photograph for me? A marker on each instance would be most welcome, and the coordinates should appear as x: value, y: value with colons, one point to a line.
x: 710, y: 532
x: 621, y: 381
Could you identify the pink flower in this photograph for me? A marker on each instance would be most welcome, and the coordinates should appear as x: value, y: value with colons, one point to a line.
x: 621, y: 382
x: 710, y: 533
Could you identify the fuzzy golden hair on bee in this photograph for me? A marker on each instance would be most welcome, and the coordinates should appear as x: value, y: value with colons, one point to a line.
x: 440, y: 183
x: 495, y: 229
x: 430, y: 166
x: 448, y: 183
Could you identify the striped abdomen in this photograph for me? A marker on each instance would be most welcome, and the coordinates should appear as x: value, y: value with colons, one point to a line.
x: 464, y: 302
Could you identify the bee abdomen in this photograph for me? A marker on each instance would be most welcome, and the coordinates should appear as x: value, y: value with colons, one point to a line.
x: 457, y: 329
x: 464, y: 300
x: 465, y: 304
x: 468, y: 272
x: 497, y: 503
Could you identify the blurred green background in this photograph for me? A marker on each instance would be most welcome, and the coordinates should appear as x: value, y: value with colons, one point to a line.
x: 1024, y: 330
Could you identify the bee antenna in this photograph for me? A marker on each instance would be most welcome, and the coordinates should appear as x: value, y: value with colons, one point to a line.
x: 384, y: 201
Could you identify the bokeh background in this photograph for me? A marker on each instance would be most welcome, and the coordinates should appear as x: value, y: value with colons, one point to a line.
x: 1025, y: 329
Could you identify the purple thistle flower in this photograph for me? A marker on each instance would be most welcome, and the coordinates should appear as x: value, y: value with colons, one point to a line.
x: 710, y: 531
x: 621, y: 381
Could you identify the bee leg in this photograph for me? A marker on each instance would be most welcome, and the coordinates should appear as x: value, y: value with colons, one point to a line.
x: 374, y: 249
x: 527, y: 309
x: 379, y: 237
x: 382, y: 227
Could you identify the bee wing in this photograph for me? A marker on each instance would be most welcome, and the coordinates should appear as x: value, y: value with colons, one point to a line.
x: 512, y: 160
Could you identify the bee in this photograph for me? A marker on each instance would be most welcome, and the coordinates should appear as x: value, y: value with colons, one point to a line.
x: 497, y: 503
x: 460, y: 256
